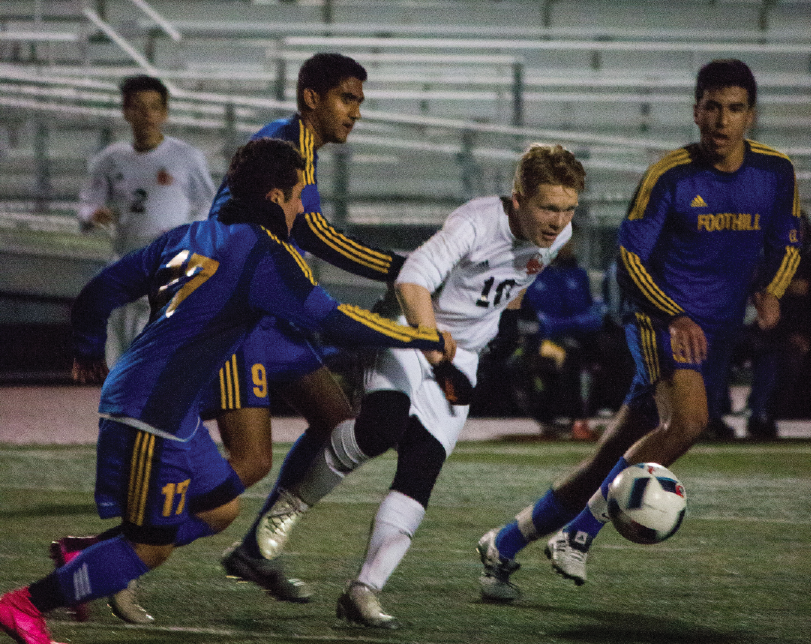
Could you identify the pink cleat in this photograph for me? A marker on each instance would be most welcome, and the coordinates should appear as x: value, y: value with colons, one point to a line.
x: 21, y: 619
x: 64, y: 550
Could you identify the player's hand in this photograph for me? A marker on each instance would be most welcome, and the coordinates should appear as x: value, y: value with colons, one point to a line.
x: 768, y: 309
x: 102, y: 217
x: 454, y: 384
x: 687, y: 340
x: 435, y: 357
x: 89, y: 372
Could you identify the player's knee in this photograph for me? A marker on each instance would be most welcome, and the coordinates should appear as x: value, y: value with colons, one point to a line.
x: 419, y: 460
x: 253, y: 469
x: 382, y: 421
x: 221, y: 517
x: 151, y: 554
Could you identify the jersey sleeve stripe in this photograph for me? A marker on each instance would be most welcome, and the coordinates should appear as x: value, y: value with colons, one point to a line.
x: 670, y: 161
x: 295, y: 255
x: 760, y: 148
x: 306, y: 148
x: 348, y: 248
x: 644, y: 282
x: 388, y: 327
x: 785, y: 273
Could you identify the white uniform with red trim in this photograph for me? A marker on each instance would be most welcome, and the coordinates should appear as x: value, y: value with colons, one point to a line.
x: 474, y: 266
x: 148, y: 192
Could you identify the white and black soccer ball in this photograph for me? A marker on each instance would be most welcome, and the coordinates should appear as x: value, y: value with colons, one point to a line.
x: 646, y: 503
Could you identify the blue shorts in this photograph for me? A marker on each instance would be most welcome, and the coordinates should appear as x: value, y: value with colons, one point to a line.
x: 155, y: 483
x: 273, y: 353
x: 649, y: 343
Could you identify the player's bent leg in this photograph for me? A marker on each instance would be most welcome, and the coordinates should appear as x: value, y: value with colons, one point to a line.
x: 686, y: 399
x: 628, y: 425
x: 246, y: 434
x: 420, y: 459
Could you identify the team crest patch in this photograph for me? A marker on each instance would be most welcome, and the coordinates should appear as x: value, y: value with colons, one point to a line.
x: 164, y: 178
x: 534, y: 266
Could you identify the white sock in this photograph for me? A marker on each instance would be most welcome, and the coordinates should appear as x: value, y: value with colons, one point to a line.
x: 339, y: 456
x: 397, y: 519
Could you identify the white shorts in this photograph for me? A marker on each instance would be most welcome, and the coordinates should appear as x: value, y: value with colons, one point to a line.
x: 408, y: 371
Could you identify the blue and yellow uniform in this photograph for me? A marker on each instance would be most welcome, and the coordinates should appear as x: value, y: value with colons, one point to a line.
x: 210, y: 284
x: 691, y: 244
x: 244, y: 379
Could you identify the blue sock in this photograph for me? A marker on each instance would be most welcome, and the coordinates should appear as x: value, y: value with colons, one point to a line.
x: 586, y: 521
x: 191, y: 530
x: 295, y: 464
x: 548, y: 515
x: 100, y: 570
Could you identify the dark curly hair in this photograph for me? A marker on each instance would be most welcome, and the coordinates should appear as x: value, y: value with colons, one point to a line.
x: 261, y: 165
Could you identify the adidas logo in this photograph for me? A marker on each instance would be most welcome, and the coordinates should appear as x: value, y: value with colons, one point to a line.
x: 581, y: 537
x: 698, y: 202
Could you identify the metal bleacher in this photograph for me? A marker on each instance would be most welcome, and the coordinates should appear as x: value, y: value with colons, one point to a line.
x: 456, y: 89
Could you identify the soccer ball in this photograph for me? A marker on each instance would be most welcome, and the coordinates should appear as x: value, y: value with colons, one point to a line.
x: 646, y: 503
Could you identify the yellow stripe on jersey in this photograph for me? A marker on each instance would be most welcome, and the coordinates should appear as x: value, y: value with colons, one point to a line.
x: 306, y: 147
x: 644, y: 282
x: 386, y: 326
x: 668, y: 162
x: 761, y: 148
x: 295, y: 254
x: 229, y: 385
x: 785, y: 273
x: 347, y: 247
x: 140, y: 471
x: 650, y: 354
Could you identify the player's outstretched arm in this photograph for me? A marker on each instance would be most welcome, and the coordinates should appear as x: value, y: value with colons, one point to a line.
x: 415, y: 301
x: 316, y: 235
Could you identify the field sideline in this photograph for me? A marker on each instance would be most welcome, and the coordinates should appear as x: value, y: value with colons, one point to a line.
x: 737, y: 572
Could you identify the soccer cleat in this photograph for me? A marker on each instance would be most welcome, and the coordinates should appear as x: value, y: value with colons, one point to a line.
x: 22, y: 620
x: 359, y: 605
x: 495, y: 583
x: 125, y: 606
x: 277, y: 523
x: 568, y: 554
x: 65, y: 550
x: 264, y: 573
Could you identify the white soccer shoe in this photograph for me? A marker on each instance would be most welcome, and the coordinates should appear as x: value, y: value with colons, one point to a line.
x: 568, y: 553
x: 125, y: 606
x: 359, y: 605
x: 495, y: 582
x: 277, y: 523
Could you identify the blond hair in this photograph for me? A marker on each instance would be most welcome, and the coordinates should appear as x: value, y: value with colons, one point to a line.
x: 552, y: 164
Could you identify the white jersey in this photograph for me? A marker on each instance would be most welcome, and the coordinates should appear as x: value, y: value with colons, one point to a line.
x: 474, y: 267
x: 148, y: 192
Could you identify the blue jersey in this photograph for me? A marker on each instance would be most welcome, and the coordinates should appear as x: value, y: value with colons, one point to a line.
x: 311, y: 231
x: 694, y: 236
x: 209, y: 284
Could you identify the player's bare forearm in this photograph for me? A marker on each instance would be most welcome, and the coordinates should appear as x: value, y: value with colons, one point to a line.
x: 415, y: 301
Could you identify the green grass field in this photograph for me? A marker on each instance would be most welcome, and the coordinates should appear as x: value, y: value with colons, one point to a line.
x: 738, y: 571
